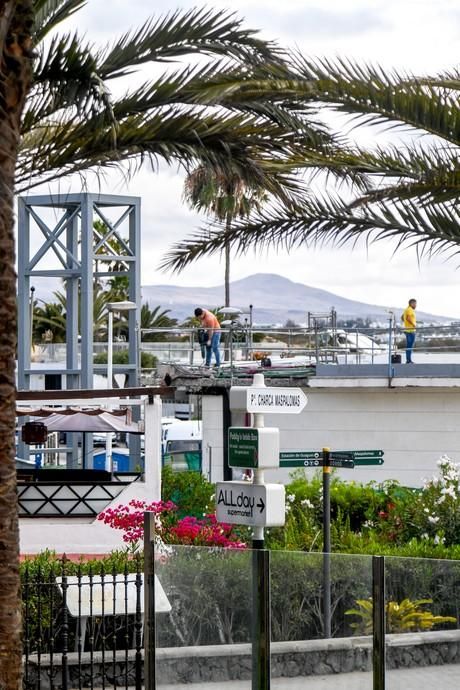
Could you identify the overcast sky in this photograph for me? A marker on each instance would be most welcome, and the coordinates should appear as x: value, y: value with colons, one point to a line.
x: 417, y: 35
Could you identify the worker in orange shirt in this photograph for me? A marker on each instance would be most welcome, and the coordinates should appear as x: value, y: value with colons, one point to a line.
x: 210, y: 323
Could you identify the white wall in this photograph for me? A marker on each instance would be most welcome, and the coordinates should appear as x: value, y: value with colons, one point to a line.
x: 414, y: 426
x: 212, y: 417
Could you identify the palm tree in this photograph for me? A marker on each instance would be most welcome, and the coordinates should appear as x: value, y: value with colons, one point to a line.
x: 58, y: 116
x: 225, y: 196
x: 16, y: 20
x: 406, y: 190
x: 155, y: 318
x: 50, y: 316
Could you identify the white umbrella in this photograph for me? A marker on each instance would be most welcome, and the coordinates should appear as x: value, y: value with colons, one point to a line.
x: 84, y: 421
x: 81, y: 421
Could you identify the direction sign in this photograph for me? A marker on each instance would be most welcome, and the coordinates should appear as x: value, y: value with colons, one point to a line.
x: 255, y: 505
x: 368, y: 461
x: 364, y: 457
x: 337, y: 458
x: 341, y: 462
x: 280, y: 400
x: 366, y: 453
x: 300, y: 458
x: 253, y: 448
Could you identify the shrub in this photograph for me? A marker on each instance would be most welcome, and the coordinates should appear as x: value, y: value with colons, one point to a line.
x: 148, y: 361
x: 189, y: 491
x: 407, y: 616
x: 169, y: 527
x: 386, y: 519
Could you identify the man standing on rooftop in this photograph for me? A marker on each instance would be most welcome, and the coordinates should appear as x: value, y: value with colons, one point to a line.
x: 410, y: 323
x: 209, y: 322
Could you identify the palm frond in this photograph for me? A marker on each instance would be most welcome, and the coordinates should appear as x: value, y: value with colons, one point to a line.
x: 375, y: 97
x: 180, y: 33
x: 50, y: 13
x: 431, y: 230
x: 232, y: 141
x: 65, y: 77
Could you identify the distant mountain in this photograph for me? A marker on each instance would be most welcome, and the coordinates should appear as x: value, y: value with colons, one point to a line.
x: 275, y: 299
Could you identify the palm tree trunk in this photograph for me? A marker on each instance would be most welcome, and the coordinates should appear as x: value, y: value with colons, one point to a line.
x: 15, y: 72
x: 227, y: 286
x: 227, y: 265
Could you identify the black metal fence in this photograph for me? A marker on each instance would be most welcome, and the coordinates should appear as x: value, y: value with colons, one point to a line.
x: 82, y: 627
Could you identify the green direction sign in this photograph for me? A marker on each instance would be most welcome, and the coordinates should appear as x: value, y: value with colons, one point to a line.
x: 366, y: 457
x: 243, y: 447
x: 339, y: 458
x: 301, y: 458
x: 368, y: 461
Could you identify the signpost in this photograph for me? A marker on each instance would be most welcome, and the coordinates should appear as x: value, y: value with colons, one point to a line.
x: 327, y: 459
x: 258, y: 504
x: 261, y: 505
x: 275, y: 400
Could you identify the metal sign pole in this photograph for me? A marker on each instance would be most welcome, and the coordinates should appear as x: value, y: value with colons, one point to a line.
x: 261, y: 636
x: 378, y: 611
x: 326, y: 543
x: 255, y: 503
x: 149, y: 602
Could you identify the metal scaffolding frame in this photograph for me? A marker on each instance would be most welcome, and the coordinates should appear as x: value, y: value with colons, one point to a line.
x: 57, y: 238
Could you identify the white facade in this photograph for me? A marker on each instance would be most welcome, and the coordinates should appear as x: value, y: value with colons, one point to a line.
x: 414, y: 423
x: 213, y: 442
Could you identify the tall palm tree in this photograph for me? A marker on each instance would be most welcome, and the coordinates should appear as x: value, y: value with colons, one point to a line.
x: 225, y: 196
x: 406, y: 190
x: 58, y: 116
x: 16, y: 20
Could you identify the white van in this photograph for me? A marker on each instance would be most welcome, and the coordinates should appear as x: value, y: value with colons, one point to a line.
x: 182, y: 444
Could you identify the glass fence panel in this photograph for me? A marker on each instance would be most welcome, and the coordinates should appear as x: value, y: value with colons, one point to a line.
x: 302, y: 615
x: 203, y: 633
x: 321, y: 620
x: 423, y: 623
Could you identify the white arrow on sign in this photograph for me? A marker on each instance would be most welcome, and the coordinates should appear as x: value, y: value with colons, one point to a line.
x: 255, y: 505
x: 279, y: 400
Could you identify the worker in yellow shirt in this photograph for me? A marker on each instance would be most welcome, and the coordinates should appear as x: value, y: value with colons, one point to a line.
x: 410, y: 324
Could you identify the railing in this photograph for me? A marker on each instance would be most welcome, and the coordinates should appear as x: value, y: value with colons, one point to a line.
x: 84, y: 629
x: 67, y: 497
x: 214, y: 593
x: 242, y: 344
x: 83, y: 626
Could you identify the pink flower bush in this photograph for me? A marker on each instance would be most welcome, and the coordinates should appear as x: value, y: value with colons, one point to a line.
x: 189, y: 530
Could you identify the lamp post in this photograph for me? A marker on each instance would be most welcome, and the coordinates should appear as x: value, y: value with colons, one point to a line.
x: 31, y: 307
x: 111, y: 308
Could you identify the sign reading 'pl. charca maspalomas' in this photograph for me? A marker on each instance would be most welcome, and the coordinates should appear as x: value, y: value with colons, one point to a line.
x: 279, y: 400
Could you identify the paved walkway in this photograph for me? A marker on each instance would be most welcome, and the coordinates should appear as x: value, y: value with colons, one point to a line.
x: 443, y: 677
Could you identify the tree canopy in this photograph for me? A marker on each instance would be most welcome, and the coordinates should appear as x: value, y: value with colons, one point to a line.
x: 216, y: 98
x: 406, y: 189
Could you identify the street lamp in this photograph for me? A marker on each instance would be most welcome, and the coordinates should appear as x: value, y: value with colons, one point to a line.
x: 111, y: 308
x: 31, y: 307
